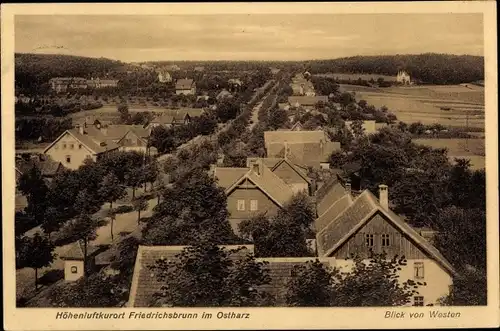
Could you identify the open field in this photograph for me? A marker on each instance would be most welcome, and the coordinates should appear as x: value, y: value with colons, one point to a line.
x: 472, y: 149
x: 450, y: 105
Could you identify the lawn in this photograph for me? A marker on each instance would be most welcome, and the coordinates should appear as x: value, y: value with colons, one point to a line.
x: 472, y: 149
x: 453, y: 105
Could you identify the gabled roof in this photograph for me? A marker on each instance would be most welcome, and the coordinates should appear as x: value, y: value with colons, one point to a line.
x: 305, y: 154
x: 92, y: 143
x: 141, y: 142
x: 333, y: 193
x: 76, y: 251
x: 294, y: 136
x: 184, y: 84
x: 333, y: 210
x: 163, y: 119
x: 47, y: 167
x: 270, y: 184
x: 274, y: 163
x: 327, y: 186
x: 144, y: 283
x: 117, y: 132
x: 226, y: 176
x: 360, y: 212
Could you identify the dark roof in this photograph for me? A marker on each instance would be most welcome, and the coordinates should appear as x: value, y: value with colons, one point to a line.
x: 144, y: 283
x: 332, y: 211
x: 331, y: 195
x: 75, y: 251
x: 360, y: 212
x: 304, y: 153
x: 184, y: 84
x: 226, y: 176
x: 274, y: 163
x: 47, y: 167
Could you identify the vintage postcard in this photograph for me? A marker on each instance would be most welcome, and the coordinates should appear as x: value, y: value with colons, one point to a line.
x: 250, y: 166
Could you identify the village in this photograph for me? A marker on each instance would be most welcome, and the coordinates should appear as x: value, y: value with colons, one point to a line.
x: 283, y: 181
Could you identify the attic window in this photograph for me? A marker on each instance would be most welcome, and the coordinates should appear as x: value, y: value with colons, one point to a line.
x: 369, y: 240
x: 80, y: 146
x: 74, y: 270
x: 385, y: 240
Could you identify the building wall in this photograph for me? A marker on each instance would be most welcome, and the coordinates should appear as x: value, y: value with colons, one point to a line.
x: 62, y: 148
x: 68, y: 274
x: 264, y: 204
x: 186, y: 91
x: 400, y: 244
x: 437, y: 279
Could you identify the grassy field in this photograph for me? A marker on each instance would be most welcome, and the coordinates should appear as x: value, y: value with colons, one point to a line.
x: 452, y: 105
x: 472, y: 149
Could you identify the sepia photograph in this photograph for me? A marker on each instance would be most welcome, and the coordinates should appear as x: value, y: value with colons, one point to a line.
x: 237, y: 160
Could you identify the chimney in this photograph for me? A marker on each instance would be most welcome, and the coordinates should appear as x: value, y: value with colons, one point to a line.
x: 256, y: 167
x: 287, y: 151
x: 348, y: 187
x: 383, y: 196
x: 81, y: 130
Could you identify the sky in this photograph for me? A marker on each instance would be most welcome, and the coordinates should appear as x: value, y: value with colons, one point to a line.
x: 138, y: 38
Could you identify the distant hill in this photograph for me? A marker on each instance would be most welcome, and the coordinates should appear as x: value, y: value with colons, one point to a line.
x: 33, y: 70
x: 428, y: 68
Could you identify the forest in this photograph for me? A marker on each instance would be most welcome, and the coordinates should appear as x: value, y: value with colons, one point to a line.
x: 428, y: 68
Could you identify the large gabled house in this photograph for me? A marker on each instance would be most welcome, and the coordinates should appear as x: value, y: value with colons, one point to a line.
x: 74, y: 146
x: 363, y: 224
x: 185, y: 86
x: 252, y: 191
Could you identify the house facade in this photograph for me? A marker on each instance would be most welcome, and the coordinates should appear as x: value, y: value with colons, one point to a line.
x: 252, y: 191
x: 403, y: 78
x: 185, y: 87
x: 102, y: 83
x: 164, y: 77
x: 62, y: 84
x: 364, y: 223
x: 74, y: 146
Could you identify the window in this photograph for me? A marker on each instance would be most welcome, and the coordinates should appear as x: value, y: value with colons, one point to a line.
x: 72, y: 146
x: 419, y: 270
x: 385, y: 240
x: 64, y: 146
x: 253, y: 205
x: 68, y: 159
x: 418, y: 301
x: 369, y: 240
x: 80, y: 146
x: 74, y: 270
x: 241, y: 205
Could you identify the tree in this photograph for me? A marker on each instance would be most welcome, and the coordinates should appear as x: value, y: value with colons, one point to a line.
x: 124, y: 113
x: 357, y: 128
x: 140, y: 204
x: 111, y: 189
x: 32, y: 185
x: 277, y: 118
x: 193, y: 206
x: 134, y: 178
x: 93, y: 291
x: 36, y: 253
x: 468, y: 289
x: 52, y: 221
x: 151, y: 173
x: 311, y: 285
x: 205, y: 275
x: 227, y: 110
x: 374, y: 283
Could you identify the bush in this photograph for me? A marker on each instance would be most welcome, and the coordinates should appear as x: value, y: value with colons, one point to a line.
x: 123, y: 209
x: 51, y: 276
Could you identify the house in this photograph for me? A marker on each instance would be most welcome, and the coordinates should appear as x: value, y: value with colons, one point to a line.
x: 62, y: 84
x: 144, y: 282
x: 172, y: 67
x: 173, y: 117
x: 48, y: 167
x: 74, y: 146
x: 369, y: 126
x: 185, y: 86
x: 288, y: 172
x: 252, y: 191
x: 164, y: 120
x: 98, y: 83
x: 74, y: 260
x: 304, y: 148
x: 164, y: 77
x: 358, y: 225
x: 307, y: 102
x: 403, y: 78
x: 199, y: 69
x: 224, y: 94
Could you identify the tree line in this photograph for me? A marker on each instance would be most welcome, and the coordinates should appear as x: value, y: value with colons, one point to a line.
x: 429, y: 68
